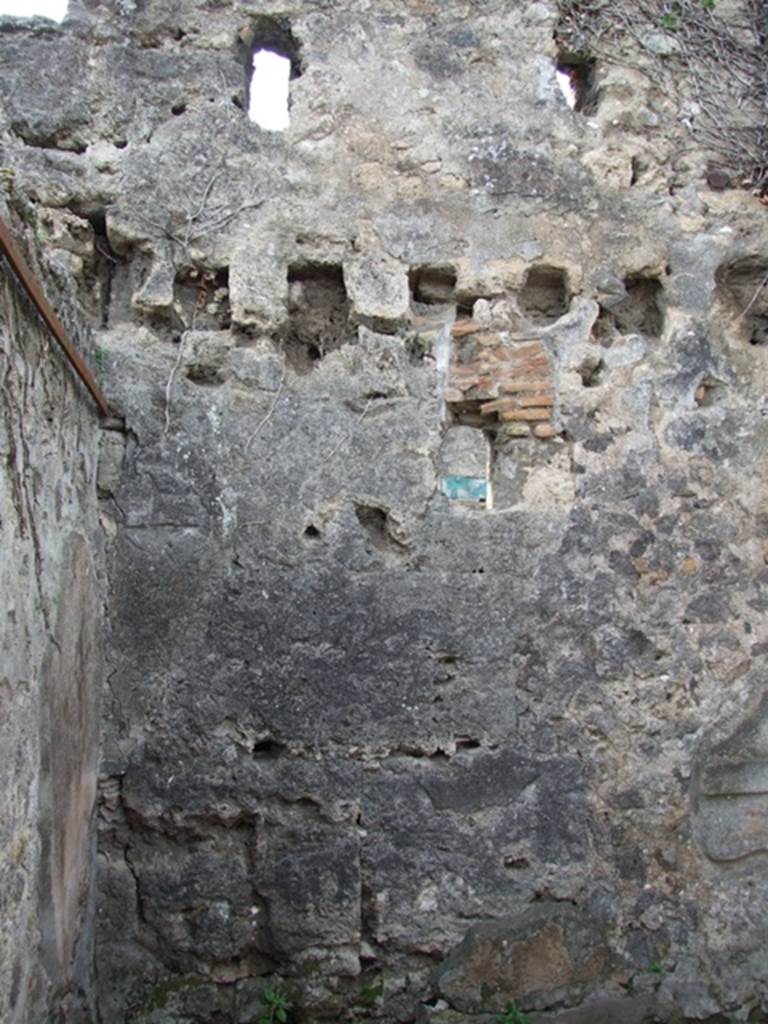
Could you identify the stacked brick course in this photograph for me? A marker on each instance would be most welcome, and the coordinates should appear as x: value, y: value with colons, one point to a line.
x: 497, y: 376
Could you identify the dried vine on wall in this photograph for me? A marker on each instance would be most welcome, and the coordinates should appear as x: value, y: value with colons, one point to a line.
x: 721, y: 54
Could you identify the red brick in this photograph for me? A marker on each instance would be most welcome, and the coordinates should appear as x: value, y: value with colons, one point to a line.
x: 537, y: 400
x: 515, y: 385
x: 465, y: 369
x: 464, y: 327
x: 499, y: 353
x: 533, y: 349
x: 544, y: 431
x: 531, y: 364
x: 530, y: 415
x: 498, y: 405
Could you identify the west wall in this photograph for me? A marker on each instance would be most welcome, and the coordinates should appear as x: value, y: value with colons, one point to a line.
x: 50, y: 662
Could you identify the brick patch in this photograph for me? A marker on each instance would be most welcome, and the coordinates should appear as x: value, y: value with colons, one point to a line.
x: 495, y: 377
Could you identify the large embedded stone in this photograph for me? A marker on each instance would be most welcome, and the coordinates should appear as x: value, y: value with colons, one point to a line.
x: 537, y: 958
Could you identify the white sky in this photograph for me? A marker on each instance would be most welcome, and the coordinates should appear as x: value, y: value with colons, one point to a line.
x: 268, y: 107
x: 564, y: 81
x: 55, y: 9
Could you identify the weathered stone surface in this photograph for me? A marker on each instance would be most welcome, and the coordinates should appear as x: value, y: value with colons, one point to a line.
x: 348, y: 718
x: 537, y: 958
x: 50, y: 664
x: 70, y: 738
x: 730, y: 787
x: 600, y: 1008
x: 377, y: 287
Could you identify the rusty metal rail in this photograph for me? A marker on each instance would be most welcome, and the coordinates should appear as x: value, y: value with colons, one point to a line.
x: 26, y: 279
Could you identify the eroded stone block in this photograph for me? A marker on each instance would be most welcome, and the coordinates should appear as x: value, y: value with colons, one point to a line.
x: 536, y: 958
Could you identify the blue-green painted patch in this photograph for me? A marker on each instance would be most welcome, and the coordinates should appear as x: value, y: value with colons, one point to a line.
x: 465, y: 488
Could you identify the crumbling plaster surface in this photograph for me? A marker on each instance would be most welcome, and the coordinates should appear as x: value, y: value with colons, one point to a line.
x: 50, y: 663
x: 358, y: 737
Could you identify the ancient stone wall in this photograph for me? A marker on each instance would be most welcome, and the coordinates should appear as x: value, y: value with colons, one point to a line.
x: 438, y: 535
x: 50, y: 660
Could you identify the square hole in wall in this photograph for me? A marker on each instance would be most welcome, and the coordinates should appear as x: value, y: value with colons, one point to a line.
x: 318, y: 309
x: 203, y: 295
x: 432, y: 285
x: 640, y: 312
x: 544, y: 296
x: 467, y: 412
x: 742, y: 291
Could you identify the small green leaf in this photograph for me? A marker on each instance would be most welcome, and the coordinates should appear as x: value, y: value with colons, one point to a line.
x: 281, y: 1015
x: 512, y: 1016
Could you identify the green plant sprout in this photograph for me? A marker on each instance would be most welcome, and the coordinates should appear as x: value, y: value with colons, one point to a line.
x: 370, y: 993
x: 512, y: 1016
x: 276, y: 1006
x: 674, y: 19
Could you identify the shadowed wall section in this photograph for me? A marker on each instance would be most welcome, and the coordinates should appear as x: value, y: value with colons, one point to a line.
x: 50, y: 668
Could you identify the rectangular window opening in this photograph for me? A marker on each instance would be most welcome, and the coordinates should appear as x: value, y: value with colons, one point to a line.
x: 271, y: 62
x: 576, y: 79
x: 268, y: 100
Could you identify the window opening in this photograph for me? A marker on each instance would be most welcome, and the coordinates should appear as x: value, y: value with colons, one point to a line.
x: 576, y: 79
x: 268, y: 100
x: 566, y: 87
x: 53, y: 9
x: 270, y: 54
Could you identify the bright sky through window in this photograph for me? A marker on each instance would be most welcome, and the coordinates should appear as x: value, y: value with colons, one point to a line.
x: 566, y: 88
x: 268, y: 106
x: 55, y: 9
